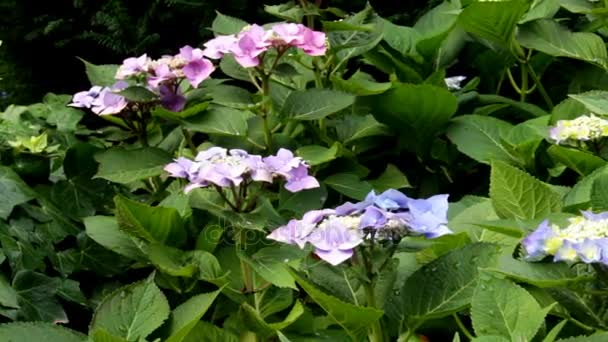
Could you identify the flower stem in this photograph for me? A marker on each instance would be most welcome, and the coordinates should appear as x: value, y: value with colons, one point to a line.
x: 462, y: 327
x: 541, y: 88
x: 524, y: 83
x: 189, y: 142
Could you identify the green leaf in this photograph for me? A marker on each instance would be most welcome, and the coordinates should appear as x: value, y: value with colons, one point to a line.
x: 515, y: 194
x: 138, y: 94
x: 502, y: 308
x: 133, y: 311
x: 349, y: 184
x: 8, y: 295
x: 289, y: 11
x: 353, y: 319
x: 541, y: 9
x: 38, y: 331
x: 126, y: 166
x: 449, y: 283
x: 207, y: 332
x: 224, y: 25
x: 391, y: 178
x: 480, y: 137
x: 14, y: 191
x: 105, y: 231
x: 210, y: 237
x: 581, y: 162
x: 595, y: 101
x: 36, y: 297
x: 580, y: 195
x: 360, y: 84
x: 493, y: 21
x: 577, y: 6
x: 152, y: 224
x: 418, y: 112
x: 401, y: 38
x: 302, y: 201
x: 253, y: 319
x: 549, y: 37
x: 543, y: 275
x: 599, y: 193
x: 171, y: 261
x: 314, y: 104
x: 352, y: 128
x: 354, y: 35
x: 317, y: 155
x: 271, y: 263
x: 100, y: 75
x: 188, y: 314
x: 597, y: 337
x: 220, y: 120
x: 101, y: 335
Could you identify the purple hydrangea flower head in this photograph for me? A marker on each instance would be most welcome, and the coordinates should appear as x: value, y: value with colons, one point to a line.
x: 298, y: 179
x: 283, y: 162
x: 391, y: 199
x: 162, y: 74
x: 288, y: 34
x: 171, y: 99
x: 133, y: 66
x: 251, y: 42
x: 294, y: 232
x: 314, y: 43
x: 589, y: 250
x: 108, y: 102
x: 196, y: 71
x: 84, y: 99
x: 259, y: 170
x: 335, y: 242
x: 180, y: 168
x: 591, y: 216
x: 534, y: 244
x: 567, y: 252
x: 429, y: 216
x: 373, y: 218
x: 212, y: 153
x: 216, y: 48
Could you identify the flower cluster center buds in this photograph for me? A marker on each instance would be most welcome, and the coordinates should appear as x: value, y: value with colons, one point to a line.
x: 389, y: 216
x: 230, y: 168
x: 583, y: 128
x: 585, y: 239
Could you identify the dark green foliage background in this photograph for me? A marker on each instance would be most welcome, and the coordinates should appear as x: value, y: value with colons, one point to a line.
x: 42, y: 38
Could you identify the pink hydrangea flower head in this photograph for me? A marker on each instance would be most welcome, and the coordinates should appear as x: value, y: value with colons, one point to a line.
x: 133, y: 66
x: 251, y: 42
x: 219, y: 46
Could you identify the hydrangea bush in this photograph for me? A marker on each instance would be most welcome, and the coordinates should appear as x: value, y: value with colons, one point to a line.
x: 290, y: 182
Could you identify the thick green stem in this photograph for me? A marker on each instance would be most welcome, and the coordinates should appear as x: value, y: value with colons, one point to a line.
x: 266, y: 110
x: 524, y: 82
x: 375, y: 332
x: 541, y: 88
x: 245, y: 268
x: 462, y: 327
x: 189, y: 142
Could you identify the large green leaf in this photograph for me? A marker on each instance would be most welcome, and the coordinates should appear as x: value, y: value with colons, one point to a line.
x: 391, y: 178
x: 220, y: 120
x: 224, y: 24
x: 255, y: 322
x: 595, y: 101
x: 185, y: 317
x: 353, y: 127
x: 349, y: 184
x: 581, y: 162
x: 317, y: 155
x: 105, y: 231
x: 100, y: 75
x: 14, y: 191
x: 480, y: 137
x: 36, y: 297
x: 152, y: 224
x: 133, y: 311
x: 597, y: 337
x: 539, y: 274
x: 126, y: 166
x: 549, y: 37
x: 272, y: 264
x: 417, y: 112
x: 26, y: 332
x: 434, y: 29
x: 8, y: 295
x: 517, y: 195
x: 302, y: 201
x: 355, y: 34
x: 353, y: 319
x: 502, y: 308
x: 580, y: 195
x: 493, y: 21
x: 314, y: 104
x: 541, y: 9
x: 207, y: 332
x: 449, y: 283
x: 599, y: 193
